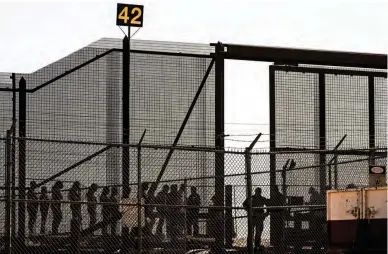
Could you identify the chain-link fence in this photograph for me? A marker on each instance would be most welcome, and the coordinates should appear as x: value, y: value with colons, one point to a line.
x: 71, y: 204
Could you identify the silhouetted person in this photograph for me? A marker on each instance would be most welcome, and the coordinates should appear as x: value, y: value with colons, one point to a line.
x: 75, y: 196
x: 92, y: 206
x: 181, y: 218
x: 149, y: 209
x: 44, y: 208
x: 161, y: 200
x: 318, y: 217
x: 258, y: 215
x: 114, y: 209
x: 56, y: 197
x: 173, y: 200
x: 104, y: 198
x: 32, y: 207
x: 315, y: 197
x: 193, y: 203
x: 277, y: 199
x: 144, y: 190
x: 213, y: 215
x: 182, y: 191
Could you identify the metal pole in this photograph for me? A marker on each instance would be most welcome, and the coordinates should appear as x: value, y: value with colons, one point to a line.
x: 125, y: 109
x: 220, y: 144
x: 8, y: 205
x: 13, y: 77
x: 248, y: 168
x: 139, y: 195
x: 372, y: 129
x: 139, y: 201
x: 330, y: 177
x: 229, y: 229
x: 331, y: 161
x: 322, y: 134
x: 272, y: 145
x: 283, y: 242
x: 185, y: 214
x: 125, y: 84
x: 183, y: 125
x: 249, y: 198
x: 235, y: 210
x: 336, y: 171
x: 22, y: 164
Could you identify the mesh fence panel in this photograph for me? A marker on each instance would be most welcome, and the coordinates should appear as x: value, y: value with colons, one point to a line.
x: 2, y: 181
x: 296, y: 122
x: 5, y: 104
x: 296, y: 113
x: 297, y: 118
x: 86, y: 105
x: 380, y: 112
x: 181, y: 214
x: 347, y: 111
x: 162, y: 91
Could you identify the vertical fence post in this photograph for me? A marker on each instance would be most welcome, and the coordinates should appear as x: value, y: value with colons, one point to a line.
x: 281, y: 226
x: 125, y: 112
x: 8, y: 205
x: 13, y: 181
x: 248, y: 171
x: 272, y: 145
x: 322, y: 134
x: 22, y: 165
x: 139, y: 242
x: 335, y: 171
x: 372, y: 128
x: 229, y: 229
x: 139, y: 201
x: 330, y: 177
x: 235, y: 224
x: 220, y: 144
x: 249, y: 198
x: 185, y: 213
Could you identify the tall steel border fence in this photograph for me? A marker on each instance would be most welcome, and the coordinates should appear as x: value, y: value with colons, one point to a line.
x: 101, y: 156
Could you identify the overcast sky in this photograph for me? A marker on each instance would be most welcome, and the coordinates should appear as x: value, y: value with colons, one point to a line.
x: 34, y: 34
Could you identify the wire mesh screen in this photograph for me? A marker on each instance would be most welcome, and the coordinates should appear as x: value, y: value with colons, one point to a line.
x: 75, y: 106
x: 86, y: 104
x: 297, y: 122
x: 347, y: 111
x: 5, y: 104
x: 381, y: 111
x: 2, y: 182
x: 295, y: 111
x: 181, y: 214
x: 162, y: 91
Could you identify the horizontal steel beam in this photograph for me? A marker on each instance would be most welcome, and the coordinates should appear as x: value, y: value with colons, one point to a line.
x: 305, y: 56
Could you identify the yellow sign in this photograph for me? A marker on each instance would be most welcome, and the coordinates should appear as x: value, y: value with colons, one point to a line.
x: 129, y: 15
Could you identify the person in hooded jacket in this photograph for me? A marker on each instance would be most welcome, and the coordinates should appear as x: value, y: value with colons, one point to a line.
x: 56, y: 197
x: 92, y: 206
x: 44, y: 207
x: 32, y: 207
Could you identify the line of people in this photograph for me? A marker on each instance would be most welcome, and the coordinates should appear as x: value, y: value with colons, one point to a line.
x: 170, y: 212
x: 276, y: 200
x: 161, y: 206
x: 42, y: 203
